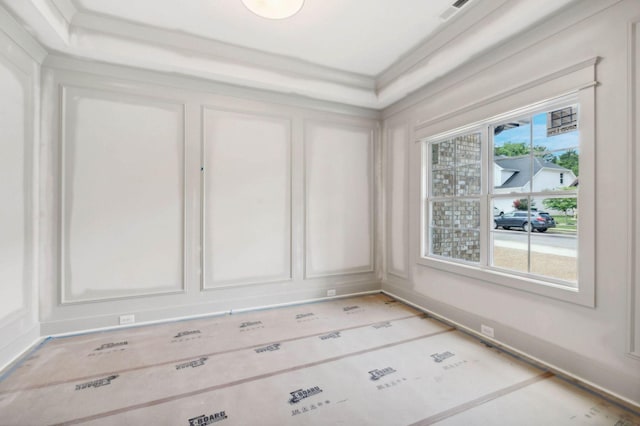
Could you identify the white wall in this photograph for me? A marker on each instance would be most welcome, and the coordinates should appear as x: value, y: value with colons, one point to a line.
x: 169, y: 197
x: 547, y: 179
x: 19, y: 103
x: 590, y: 343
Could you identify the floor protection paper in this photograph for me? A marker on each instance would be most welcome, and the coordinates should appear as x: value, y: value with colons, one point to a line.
x: 367, y: 360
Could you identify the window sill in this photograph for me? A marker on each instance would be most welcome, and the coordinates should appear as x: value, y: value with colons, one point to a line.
x: 578, y: 296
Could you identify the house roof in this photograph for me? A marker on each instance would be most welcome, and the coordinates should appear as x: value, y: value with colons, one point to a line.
x: 522, y: 167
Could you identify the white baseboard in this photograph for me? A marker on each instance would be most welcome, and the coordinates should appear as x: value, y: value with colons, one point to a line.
x: 528, y: 348
x: 13, y: 352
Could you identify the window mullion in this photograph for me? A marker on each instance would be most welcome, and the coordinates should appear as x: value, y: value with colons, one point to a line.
x: 486, y: 158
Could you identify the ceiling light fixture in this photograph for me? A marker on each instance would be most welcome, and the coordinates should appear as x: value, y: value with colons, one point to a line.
x: 274, y: 9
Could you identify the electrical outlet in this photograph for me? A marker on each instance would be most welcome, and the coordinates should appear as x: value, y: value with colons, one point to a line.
x: 486, y: 330
x: 127, y: 319
x: 331, y: 292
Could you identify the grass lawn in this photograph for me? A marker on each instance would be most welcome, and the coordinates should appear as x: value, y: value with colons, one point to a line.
x: 565, y: 225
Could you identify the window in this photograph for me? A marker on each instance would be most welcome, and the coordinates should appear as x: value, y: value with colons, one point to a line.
x: 529, y: 151
x: 495, y: 203
x: 454, y: 197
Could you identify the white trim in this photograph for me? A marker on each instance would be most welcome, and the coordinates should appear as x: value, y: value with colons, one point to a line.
x: 390, y: 128
x: 633, y: 159
x: 508, y: 51
x: 66, y: 8
x: 195, y: 45
x: 21, y: 37
x: 68, y: 27
x: 61, y: 62
x: 169, y: 313
x: 27, y: 342
x: 208, y: 315
x: 589, y: 81
x: 472, y: 15
x: 54, y: 17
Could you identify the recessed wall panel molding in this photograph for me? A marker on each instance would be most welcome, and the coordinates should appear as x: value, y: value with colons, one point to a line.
x: 397, y: 191
x: 247, y: 198
x: 339, y: 185
x: 122, y: 195
x: 634, y: 119
x: 13, y: 189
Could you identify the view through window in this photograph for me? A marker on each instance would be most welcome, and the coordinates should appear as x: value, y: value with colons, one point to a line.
x: 535, y: 183
x: 528, y: 183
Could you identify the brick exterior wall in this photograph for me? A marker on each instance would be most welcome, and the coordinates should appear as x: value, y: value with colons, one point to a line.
x: 455, y: 222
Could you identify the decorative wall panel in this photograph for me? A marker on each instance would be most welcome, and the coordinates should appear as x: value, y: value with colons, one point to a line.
x: 122, y: 188
x: 247, y: 198
x: 397, y: 137
x: 339, y: 199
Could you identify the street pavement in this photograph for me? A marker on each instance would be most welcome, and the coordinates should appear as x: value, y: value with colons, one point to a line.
x: 562, y: 245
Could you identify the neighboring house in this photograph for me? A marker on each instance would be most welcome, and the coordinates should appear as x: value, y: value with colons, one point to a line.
x: 514, y: 175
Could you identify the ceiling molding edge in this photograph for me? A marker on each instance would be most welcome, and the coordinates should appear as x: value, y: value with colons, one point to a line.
x: 122, y: 73
x: 223, y: 51
x: 150, y: 55
x: 105, y: 39
x: 461, y: 23
x: 67, y: 8
x: 16, y: 32
x: 54, y: 17
x: 571, y: 15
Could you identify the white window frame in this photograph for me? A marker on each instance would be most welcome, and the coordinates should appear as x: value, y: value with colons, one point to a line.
x: 584, y: 294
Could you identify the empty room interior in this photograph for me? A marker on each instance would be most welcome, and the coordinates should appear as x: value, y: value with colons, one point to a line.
x: 358, y: 212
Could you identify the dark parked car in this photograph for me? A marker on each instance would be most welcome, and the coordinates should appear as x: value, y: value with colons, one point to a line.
x: 539, y: 221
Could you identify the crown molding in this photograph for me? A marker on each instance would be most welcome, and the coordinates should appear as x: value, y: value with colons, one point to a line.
x: 54, y: 17
x: 16, y: 32
x: 569, y: 16
x: 64, y: 26
x: 225, y: 52
x: 463, y: 22
x: 120, y: 74
x: 67, y: 8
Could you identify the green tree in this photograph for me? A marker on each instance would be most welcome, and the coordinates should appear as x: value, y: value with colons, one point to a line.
x: 570, y: 160
x: 562, y: 204
x: 517, y: 149
x: 511, y: 149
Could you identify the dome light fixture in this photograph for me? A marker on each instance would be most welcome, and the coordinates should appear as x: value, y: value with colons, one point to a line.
x: 274, y: 9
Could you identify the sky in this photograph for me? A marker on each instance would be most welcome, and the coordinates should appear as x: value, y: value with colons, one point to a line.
x: 553, y: 143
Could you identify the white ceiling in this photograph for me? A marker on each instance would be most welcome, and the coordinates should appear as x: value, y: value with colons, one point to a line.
x: 367, y: 53
x: 361, y: 36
